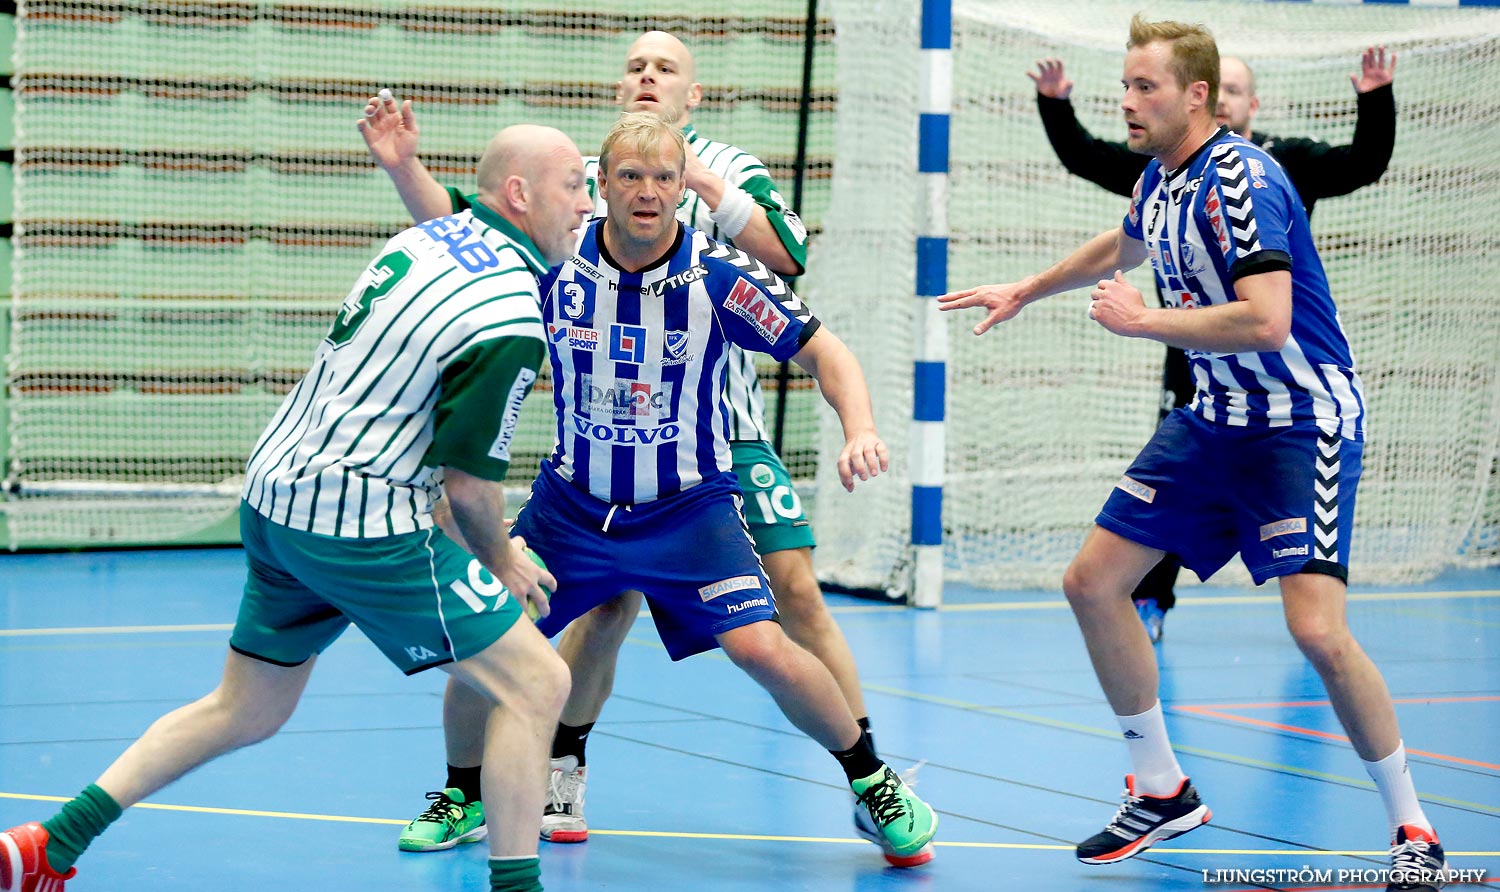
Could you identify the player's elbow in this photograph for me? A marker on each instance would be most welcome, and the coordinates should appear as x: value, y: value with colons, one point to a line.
x: 785, y: 266
x: 1271, y: 333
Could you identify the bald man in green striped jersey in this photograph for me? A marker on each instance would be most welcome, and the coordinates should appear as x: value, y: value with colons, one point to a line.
x: 400, y: 404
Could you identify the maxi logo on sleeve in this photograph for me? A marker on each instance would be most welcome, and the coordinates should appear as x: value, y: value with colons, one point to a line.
x: 1213, y: 207
x: 748, y: 302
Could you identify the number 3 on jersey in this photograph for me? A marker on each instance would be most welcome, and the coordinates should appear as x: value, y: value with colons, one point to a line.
x: 383, y: 275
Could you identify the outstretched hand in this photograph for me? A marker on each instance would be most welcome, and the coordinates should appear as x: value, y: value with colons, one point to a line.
x: 389, y: 129
x: 1374, y: 70
x: 864, y: 456
x: 1003, y: 302
x: 1050, y: 80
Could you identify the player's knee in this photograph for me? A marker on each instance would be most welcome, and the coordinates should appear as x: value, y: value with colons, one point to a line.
x: 613, y: 618
x: 1323, y: 642
x: 803, y: 612
x: 758, y: 648
x: 552, y: 685
x: 1084, y: 589
x: 249, y: 722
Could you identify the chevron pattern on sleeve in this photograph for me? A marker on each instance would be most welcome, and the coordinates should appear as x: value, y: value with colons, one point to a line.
x: 762, y: 275
x: 1235, y: 187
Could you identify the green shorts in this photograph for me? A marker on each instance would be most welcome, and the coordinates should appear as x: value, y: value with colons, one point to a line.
x: 772, y: 507
x: 419, y: 597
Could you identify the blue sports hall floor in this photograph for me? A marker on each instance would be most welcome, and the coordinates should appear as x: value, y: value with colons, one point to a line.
x: 698, y: 783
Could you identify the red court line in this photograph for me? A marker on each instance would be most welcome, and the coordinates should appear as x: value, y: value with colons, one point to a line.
x: 1296, y: 729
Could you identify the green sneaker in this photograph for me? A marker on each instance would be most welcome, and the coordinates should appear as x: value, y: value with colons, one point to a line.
x: 447, y: 822
x: 906, y: 822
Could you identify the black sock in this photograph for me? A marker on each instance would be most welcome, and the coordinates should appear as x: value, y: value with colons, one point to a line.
x: 570, y: 741
x: 864, y: 725
x: 858, y: 761
x: 466, y: 780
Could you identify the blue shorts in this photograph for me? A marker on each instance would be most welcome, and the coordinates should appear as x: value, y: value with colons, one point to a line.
x: 1282, y: 498
x: 690, y: 554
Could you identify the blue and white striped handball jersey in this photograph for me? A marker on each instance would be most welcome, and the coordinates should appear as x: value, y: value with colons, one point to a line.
x: 639, y: 361
x: 1231, y: 212
x: 737, y: 167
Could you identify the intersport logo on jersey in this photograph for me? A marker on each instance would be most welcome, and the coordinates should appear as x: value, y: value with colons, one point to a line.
x: 577, y: 338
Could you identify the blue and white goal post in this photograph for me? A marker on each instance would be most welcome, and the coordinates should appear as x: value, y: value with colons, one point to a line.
x: 930, y: 367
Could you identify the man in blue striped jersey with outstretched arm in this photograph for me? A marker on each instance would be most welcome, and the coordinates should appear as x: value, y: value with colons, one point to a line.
x: 400, y: 403
x: 1265, y: 460
x: 640, y: 494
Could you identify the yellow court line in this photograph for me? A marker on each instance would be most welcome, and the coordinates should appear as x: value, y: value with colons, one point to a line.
x: 744, y: 837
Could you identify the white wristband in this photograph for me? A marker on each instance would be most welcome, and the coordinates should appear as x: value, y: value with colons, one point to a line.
x: 733, y: 213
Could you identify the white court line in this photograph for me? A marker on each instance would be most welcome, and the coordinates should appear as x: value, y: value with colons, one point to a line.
x: 1057, y: 603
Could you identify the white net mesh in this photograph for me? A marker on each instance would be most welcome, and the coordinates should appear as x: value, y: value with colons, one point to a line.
x: 1045, y: 413
x: 193, y: 201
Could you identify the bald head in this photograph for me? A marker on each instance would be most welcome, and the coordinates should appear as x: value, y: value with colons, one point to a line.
x: 661, y: 43
x: 659, y: 78
x: 518, y: 150
x: 1239, y: 69
x: 1237, y: 103
x: 533, y: 177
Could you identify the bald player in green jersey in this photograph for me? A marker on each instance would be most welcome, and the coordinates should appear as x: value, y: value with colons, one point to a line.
x: 336, y: 518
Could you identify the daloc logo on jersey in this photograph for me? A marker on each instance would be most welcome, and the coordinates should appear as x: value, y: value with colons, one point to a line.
x: 627, y: 343
x: 627, y: 399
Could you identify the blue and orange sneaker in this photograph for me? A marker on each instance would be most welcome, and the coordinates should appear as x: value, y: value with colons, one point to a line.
x: 1417, y: 862
x: 23, y: 861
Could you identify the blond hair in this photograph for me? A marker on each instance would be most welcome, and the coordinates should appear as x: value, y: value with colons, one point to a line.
x: 1195, y: 56
x: 647, y: 134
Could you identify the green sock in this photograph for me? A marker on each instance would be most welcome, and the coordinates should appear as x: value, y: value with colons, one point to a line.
x: 71, y: 830
x: 520, y: 874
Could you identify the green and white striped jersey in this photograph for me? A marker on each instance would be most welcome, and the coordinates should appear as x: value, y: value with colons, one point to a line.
x: 425, y: 367
x: 737, y: 167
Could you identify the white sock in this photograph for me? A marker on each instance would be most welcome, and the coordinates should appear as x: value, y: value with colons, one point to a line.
x: 1393, y: 780
x: 1156, y: 770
